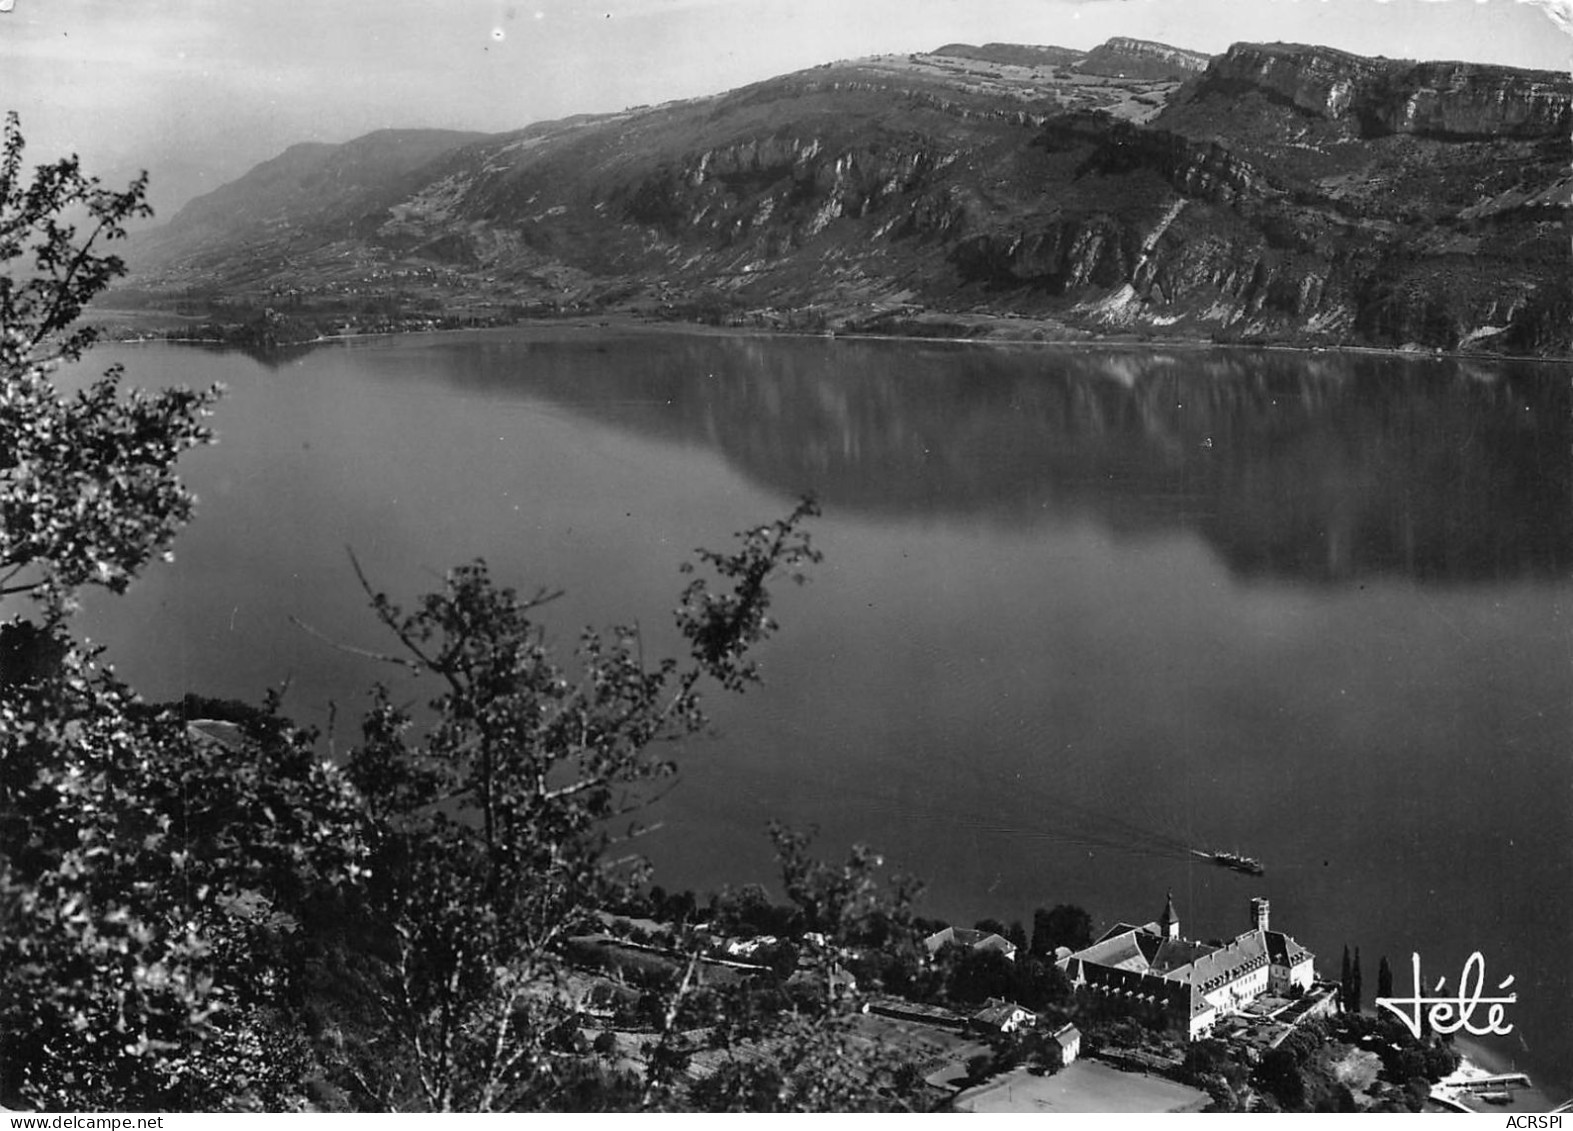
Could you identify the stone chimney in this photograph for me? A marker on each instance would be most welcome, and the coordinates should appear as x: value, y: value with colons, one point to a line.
x: 1259, y: 913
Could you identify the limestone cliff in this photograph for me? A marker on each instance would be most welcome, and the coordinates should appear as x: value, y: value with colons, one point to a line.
x: 1124, y: 57
x: 1379, y: 96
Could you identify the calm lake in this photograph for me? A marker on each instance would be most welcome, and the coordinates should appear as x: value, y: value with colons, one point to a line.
x: 1080, y: 609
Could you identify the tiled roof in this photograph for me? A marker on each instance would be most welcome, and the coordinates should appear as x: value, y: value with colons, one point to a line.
x: 1126, y: 928
x: 969, y: 937
x: 1283, y: 950
x: 1227, y: 963
x: 998, y: 1012
x: 1173, y: 955
x: 1123, y: 952
x: 996, y: 942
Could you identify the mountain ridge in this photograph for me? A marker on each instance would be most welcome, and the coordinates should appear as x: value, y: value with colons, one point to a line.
x: 1283, y: 192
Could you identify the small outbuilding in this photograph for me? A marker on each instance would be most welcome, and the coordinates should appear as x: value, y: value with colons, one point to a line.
x: 1068, y: 1038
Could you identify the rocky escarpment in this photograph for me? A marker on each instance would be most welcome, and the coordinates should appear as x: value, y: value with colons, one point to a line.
x: 1379, y: 96
x: 1123, y: 57
x: 791, y: 186
x: 1404, y: 204
x: 1238, y: 220
x: 1229, y: 254
x: 1054, y: 257
x: 1205, y: 169
x: 1232, y: 245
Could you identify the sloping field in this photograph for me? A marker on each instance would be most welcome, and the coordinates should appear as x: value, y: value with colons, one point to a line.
x: 1086, y: 1085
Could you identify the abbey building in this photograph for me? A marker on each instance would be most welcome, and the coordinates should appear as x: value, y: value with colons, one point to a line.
x: 1191, y: 986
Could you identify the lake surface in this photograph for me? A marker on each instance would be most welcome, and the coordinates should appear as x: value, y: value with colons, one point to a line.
x: 1080, y: 608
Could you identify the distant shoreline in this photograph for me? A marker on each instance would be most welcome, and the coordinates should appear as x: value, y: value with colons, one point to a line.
x: 624, y: 320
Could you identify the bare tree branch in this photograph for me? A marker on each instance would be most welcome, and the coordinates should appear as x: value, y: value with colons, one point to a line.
x: 352, y: 650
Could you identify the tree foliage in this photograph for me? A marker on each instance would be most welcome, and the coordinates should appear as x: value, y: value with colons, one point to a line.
x: 41, y: 308
x: 496, y: 819
x: 152, y: 883
x: 150, y: 879
x: 87, y: 487
x: 1064, y: 925
x: 1279, y: 1074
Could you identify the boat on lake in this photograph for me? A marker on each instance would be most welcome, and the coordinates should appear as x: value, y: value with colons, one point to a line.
x: 1247, y: 864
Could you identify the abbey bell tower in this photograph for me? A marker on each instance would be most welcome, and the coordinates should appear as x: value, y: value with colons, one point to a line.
x: 1169, y: 922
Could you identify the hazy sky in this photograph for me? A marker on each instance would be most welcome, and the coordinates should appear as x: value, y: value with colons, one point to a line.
x: 200, y: 90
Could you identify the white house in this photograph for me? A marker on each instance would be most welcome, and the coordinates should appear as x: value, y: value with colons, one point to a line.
x: 1068, y: 1038
x: 998, y: 1016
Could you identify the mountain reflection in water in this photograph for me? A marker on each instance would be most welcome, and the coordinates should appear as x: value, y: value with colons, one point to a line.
x: 1308, y: 466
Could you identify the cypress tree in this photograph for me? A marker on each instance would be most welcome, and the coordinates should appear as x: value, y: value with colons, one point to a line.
x: 1346, y: 981
x: 1355, y: 993
x: 1042, y: 930
x: 1384, y: 978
